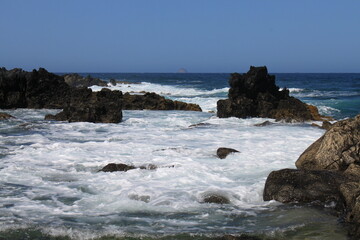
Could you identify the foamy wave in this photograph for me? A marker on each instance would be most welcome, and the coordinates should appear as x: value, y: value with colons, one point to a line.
x: 327, y: 111
x: 165, y: 90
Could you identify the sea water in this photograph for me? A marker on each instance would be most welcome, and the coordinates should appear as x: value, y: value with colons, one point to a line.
x: 51, y: 187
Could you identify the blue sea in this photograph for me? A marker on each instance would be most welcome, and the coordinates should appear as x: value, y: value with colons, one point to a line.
x: 50, y: 187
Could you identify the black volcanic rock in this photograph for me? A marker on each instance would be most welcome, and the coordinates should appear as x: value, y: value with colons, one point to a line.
x: 36, y: 89
x: 254, y: 94
x: 75, y: 80
x: 153, y: 101
x: 87, y: 106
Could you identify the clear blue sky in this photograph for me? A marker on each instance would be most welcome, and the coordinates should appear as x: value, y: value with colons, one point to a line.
x: 165, y: 35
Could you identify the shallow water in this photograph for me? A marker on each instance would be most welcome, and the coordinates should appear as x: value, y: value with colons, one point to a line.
x: 50, y: 179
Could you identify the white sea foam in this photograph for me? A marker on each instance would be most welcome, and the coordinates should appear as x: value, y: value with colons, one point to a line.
x: 51, y: 178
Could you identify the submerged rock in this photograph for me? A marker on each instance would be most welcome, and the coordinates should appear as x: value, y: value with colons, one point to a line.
x: 117, y: 167
x: 224, y: 152
x: 153, y: 101
x: 255, y: 94
x: 336, y: 149
x: 215, y: 198
x: 263, y: 124
x: 5, y: 116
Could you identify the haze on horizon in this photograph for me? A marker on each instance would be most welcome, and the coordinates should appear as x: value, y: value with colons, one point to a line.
x: 164, y: 36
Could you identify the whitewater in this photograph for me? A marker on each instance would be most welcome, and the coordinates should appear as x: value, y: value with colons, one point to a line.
x: 50, y: 183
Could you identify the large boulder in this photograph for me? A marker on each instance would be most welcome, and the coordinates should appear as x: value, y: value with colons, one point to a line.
x: 75, y: 80
x: 254, y: 94
x: 87, y: 106
x: 304, y: 186
x: 36, y: 89
x: 336, y: 149
x: 153, y: 101
x: 329, y: 170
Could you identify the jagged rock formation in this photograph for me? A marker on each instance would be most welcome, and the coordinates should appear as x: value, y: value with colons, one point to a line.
x: 336, y: 149
x: 153, y: 101
x: 36, y: 89
x: 329, y: 170
x: 87, y: 106
x: 255, y: 94
x: 75, y: 80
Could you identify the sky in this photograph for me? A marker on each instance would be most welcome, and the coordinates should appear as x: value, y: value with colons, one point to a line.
x: 165, y: 35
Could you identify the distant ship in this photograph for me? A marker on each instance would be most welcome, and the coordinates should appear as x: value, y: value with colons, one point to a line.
x: 182, y: 70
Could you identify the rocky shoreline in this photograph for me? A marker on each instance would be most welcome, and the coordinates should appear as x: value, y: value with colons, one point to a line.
x: 328, y: 173
x: 41, y: 89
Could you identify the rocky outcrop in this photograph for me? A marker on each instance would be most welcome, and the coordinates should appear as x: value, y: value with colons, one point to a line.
x: 41, y: 89
x: 224, y: 152
x: 36, y: 89
x: 87, y: 106
x: 293, y: 185
x: 5, y: 116
x: 328, y: 171
x: 153, y: 101
x: 336, y: 149
x: 255, y: 94
x: 75, y: 80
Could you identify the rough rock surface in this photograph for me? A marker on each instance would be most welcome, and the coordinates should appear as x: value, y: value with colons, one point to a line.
x: 255, y: 94
x: 153, y: 101
x: 75, y: 80
x: 87, y: 106
x: 36, y: 89
x: 215, y: 198
x: 5, y: 116
x: 117, y: 167
x: 224, y: 152
x: 293, y: 185
x: 336, y: 149
x: 329, y: 170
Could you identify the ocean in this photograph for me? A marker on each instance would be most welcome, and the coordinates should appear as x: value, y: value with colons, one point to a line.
x: 50, y: 187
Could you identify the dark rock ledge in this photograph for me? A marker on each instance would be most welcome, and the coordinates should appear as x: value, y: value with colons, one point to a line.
x: 254, y: 94
x: 328, y: 172
x: 41, y: 89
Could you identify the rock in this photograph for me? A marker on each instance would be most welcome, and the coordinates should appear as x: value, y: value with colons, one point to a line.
x: 5, y: 116
x: 223, y: 152
x: 304, y: 186
x: 263, y: 124
x: 75, y: 80
x: 149, y: 167
x: 336, y: 149
x: 215, y: 198
x: 113, y: 82
x: 255, y: 94
x: 36, y: 89
x: 87, y: 106
x: 117, y: 167
x: 153, y: 101
x: 199, y: 125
